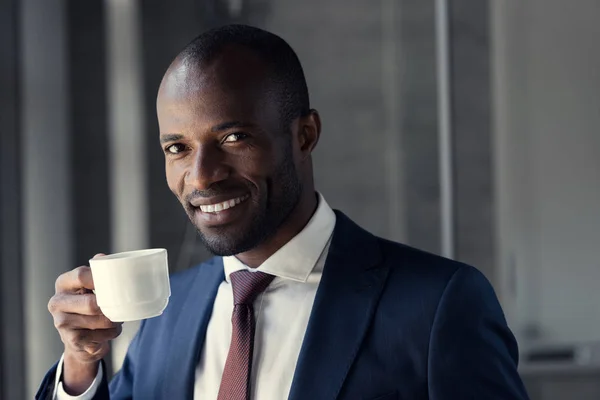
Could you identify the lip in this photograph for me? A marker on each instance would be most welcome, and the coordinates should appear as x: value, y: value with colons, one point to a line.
x: 222, y: 217
x: 205, y: 201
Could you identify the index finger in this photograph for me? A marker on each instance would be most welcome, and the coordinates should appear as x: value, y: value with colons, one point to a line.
x: 78, y: 278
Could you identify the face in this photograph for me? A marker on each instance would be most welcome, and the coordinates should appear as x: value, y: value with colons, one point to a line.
x: 226, y: 157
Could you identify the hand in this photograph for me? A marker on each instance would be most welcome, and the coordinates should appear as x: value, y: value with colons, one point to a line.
x: 83, y: 329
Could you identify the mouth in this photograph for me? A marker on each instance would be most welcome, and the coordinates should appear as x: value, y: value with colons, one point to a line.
x: 220, y: 212
x: 217, y: 208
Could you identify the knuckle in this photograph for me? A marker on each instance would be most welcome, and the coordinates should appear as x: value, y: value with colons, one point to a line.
x: 115, y: 332
x: 52, y: 304
x: 60, y: 322
x: 90, y: 303
x: 61, y: 282
x: 56, y: 303
x: 81, y: 273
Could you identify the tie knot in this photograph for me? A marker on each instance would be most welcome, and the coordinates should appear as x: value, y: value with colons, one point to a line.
x: 247, y: 285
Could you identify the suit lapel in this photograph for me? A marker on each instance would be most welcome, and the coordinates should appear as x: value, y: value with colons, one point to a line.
x: 346, y: 300
x: 190, y: 331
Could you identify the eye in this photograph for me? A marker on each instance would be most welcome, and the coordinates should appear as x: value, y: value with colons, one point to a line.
x: 235, y: 137
x: 175, y: 148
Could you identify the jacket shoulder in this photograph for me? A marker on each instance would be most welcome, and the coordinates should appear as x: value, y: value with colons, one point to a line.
x: 422, y: 277
x: 408, y: 260
x: 181, y: 281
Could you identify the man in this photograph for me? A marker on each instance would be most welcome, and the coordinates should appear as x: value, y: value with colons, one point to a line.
x: 299, y: 302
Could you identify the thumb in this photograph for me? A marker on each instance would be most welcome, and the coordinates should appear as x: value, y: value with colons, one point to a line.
x: 99, y: 255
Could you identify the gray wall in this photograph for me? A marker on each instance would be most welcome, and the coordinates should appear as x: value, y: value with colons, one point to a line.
x: 471, y: 113
x: 47, y: 235
x: 371, y: 70
x: 547, y: 96
x: 342, y: 50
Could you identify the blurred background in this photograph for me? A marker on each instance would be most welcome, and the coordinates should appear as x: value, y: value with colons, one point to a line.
x: 469, y: 129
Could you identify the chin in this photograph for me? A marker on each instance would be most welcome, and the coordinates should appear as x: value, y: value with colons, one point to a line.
x: 219, y: 248
x: 226, y: 244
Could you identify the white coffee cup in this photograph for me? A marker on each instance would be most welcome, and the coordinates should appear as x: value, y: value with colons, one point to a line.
x: 133, y: 285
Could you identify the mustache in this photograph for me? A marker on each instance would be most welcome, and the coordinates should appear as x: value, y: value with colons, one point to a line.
x: 213, y: 192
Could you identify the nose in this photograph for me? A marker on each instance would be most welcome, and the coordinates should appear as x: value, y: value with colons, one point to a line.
x: 208, y: 168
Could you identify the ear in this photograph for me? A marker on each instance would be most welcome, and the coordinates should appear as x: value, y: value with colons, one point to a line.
x: 309, y: 132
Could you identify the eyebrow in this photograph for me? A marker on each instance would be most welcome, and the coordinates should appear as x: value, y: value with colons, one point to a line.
x: 170, y: 137
x: 173, y: 137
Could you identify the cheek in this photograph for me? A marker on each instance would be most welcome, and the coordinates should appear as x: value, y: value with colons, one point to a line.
x: 255, y: 169
x: 175, y: 175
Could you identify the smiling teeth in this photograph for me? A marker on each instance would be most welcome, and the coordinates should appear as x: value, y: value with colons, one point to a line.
x: 215, y: 208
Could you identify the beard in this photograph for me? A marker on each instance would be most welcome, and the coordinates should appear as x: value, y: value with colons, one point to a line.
x: 267, y: 211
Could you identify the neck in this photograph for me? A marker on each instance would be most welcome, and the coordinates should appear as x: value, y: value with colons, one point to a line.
x: 296, y: 221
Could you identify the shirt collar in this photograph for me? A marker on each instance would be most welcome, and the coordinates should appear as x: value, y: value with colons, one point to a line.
x: 297, y: 258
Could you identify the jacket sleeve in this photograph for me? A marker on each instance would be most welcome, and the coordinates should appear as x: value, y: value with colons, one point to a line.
x: 121, y: 386
x: 472, y: 352
x: 47, y: 388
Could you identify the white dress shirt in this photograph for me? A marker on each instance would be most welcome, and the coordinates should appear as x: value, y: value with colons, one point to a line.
x: 282, y: 313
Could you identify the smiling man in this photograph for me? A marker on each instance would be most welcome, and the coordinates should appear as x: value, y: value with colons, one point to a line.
x: 237, y: 134
x: 298, y: 302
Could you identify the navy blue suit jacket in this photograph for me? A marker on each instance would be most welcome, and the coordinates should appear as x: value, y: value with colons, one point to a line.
x: 388, y: 322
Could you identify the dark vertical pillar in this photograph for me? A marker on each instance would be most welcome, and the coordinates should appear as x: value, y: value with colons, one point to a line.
x: 166, y: 28
x: 471, y: 116
x: 86, y: 57
x: 88, y: 126
x: 12, y: 345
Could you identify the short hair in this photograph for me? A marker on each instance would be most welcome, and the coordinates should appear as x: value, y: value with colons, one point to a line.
x: 285, y: 67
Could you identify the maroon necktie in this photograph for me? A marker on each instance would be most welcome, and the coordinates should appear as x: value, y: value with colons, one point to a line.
x: 246, y: 285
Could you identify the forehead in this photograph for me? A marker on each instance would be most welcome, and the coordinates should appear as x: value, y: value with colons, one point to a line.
x: 234, y: 85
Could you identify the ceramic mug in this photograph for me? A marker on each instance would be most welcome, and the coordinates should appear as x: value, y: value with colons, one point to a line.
x: 132, y: 285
